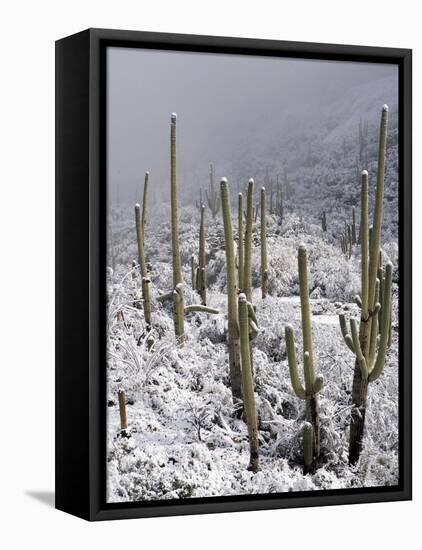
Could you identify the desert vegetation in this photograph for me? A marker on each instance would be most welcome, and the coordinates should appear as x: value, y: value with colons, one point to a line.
x: 216, y: 308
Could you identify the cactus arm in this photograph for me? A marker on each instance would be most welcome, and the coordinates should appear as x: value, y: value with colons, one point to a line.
x: 308, y: 439
x: 318, y: 384
x: 346, y: 335
x: 208, y: 199
x: 291, y: 359
x: 200, y: 309
x: 165, y: 297
x: 252, y: 314
x: 253, y: 333
x: 247, y: 383
x: 378, y: 367
x: 358, y: 350
x: 358, y: 301
x: 374, y: 325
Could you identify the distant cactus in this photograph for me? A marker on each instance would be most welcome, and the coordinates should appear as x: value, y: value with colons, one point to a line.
x: 264, y: 260
x: 146, y: 298
x: 354, y: 234
x: 202, y: 283
x: 349, y: 240
x: 287, y: 186
x: 199, y: 203
x: 346, y: 242
x: 232, y: 311
x: 247, y: 275
x: 324, y: 221
x: 362, y: 341
x: 313, y: 383
x: 212, y: 196
x: 279, y: 205
x: 247, y: 383
x: 240, y: 244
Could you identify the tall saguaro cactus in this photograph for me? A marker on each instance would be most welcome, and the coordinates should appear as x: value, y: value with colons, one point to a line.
x: 176, y: 295
x: 247, y: 383
x: 362, y: 341
x: 232, y: 312
x: 212, y: 196
x: 313, y: 383
x: 202, y: 283
x: 264, y: 259
x: 247, y: 272
x: 178, y: 300
x: 142, y: 266
x: 240, y: 244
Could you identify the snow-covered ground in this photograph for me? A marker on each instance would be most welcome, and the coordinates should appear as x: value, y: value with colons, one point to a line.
x: 185, y: 437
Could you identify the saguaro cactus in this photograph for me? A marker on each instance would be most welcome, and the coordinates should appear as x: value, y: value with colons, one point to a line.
x: 232, y: 312
x: 264, y: 260
x: 324, y: 221
x: 193, y: 271
x: 122, y: 410
x: 247, y: 274
x: 144, y: 207
x: 212, y: 196
x: 279, y: 205
x: 272, y: 198
x: 179, y: 309
x: 142, y: 266
x: 354, y: 238
x: 240, y: 244
x: 370, y: 362
x: 247, y: 383
x: 178, y: 301
x: 201, y: 202
x: 202, y: 283
x: 313, y: 383
x: 308, y: 438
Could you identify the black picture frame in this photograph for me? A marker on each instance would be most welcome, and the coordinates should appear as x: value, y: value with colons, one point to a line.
x: 80, y: 272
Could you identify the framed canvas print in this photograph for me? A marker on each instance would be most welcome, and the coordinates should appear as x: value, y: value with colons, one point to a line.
x: 233, y: 274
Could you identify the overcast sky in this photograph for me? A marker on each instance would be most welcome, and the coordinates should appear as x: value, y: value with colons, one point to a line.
x: 220, y: 100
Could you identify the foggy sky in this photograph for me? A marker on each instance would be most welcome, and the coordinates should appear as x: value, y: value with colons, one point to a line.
x: 222, y: 103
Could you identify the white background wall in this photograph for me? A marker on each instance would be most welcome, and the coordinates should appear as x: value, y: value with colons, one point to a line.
x: 27, y: 271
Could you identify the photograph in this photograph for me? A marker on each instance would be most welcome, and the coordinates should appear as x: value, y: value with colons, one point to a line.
x: 252, y: 275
